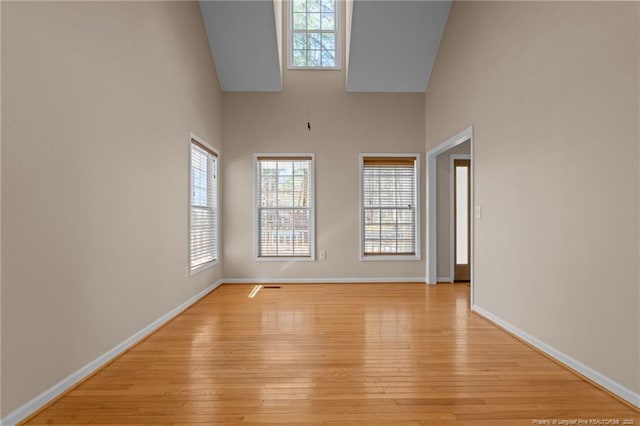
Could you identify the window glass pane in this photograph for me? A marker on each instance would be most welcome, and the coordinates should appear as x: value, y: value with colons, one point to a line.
x: 388, y: 246
x: 462, y: 216
x: 301, y: 237
x: 328, y: 21
x: 285, y: 199
x: 372, y: 232
x: 329, y: 41
x: 314, y: 41
x: 299, y: 41
x: 285, y: 233
x: 313, y: 58
x: 405, y: 232
x: 313, y: 21
x: 299, y: 6
x: 299, y: 58
x: 328, y: 5
x: 327, y: 59
x: 371, y: 247
x: 372, y: 216
x: 313, y: 5
x: 299, y: 21
x: 198, y: 177
x: 300, y: 195
x: 268, y: 234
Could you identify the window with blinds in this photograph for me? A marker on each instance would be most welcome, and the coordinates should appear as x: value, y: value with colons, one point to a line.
x: 284, y: 200
x: 204, y: 206
x: 389, y: 206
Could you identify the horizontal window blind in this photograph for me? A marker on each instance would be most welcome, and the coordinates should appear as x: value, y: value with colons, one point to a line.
x: 204, y: 205
x: 284, y: 203
x: 389, y: 206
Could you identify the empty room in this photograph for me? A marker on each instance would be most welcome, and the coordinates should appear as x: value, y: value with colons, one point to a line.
x: 320, y: 212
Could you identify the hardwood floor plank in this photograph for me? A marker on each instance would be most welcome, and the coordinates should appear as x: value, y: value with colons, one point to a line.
x: 332, y: 354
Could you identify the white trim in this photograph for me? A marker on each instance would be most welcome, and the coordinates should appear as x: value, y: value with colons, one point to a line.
x: 418, y: 216
x: 390, y: 258
x: 216, y: 261
x: 285, y: 259
x: 432, y: 224
x: 472, y: 212
x: 357, y: 280
x: 203, y: 267
x: 338, y: 32
x: 312, y: 182
x: 445, y: 279
x: 452, y: 213
x: 74, y: 378
x: 568, y: 361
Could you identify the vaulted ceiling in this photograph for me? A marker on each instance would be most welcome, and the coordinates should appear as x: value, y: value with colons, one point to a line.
x: 392, y: 44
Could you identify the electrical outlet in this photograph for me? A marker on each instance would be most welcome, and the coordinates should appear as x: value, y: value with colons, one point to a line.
x: 323, y: 254
x: 478, y: 212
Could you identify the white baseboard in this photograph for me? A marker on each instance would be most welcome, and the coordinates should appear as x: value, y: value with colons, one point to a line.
x: 62, y: 386
x: 573, y: 364
x: 444, y: 279
x: 321, y: 280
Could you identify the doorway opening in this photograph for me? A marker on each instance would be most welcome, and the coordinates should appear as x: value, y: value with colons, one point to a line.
x: 456, y: 263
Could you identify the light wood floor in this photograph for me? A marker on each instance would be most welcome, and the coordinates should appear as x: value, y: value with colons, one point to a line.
x: 330, y: 354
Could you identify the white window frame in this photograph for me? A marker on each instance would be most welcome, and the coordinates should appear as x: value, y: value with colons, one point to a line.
x: 392, y: 257
x: 289, y: 13
x: 312, y: 209
x: 216, y: 261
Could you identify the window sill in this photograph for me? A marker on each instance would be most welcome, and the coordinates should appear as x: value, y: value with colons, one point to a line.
x: 200, y: 268
x: 292, y: 68
x: 285, y: 259
x: 383, y: 258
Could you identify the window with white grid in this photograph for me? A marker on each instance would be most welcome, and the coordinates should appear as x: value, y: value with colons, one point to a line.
x: 204, y: 206
x: 313, y: 34
x: 284, y: 201
x: 389, y: 204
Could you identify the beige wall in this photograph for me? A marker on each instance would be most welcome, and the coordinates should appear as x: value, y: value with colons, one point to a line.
x: 343, y: 125
x: 443, y: 197
x: 99, y: 99
x: 0, y: 213
x: 552, y: 91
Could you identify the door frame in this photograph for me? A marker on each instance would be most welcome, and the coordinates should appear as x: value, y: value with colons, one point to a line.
x: 432, y: 225
x: 452, y: 213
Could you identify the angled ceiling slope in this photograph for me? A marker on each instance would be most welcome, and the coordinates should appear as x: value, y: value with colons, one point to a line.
x: 243, y: 37
x: 394, y: 44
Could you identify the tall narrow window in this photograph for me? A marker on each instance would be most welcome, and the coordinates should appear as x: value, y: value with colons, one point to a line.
x: 204, y: 206
x: 462, y: 224
x: 462, y: 215
x: 314, y: 37
x: 389, y: 206
x: 284, y: 200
